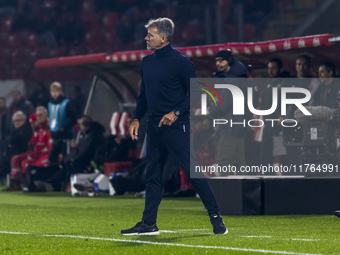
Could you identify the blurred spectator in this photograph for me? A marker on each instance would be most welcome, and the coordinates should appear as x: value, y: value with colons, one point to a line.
x: 326, y: 95
x: 274, y: 68
x: 91, y: 137
x: 27, y: 17
x: 303, y: 70
x: 116, y: 148
x: 231, y: 142
x: 69, y: 29
x: 55, y: 177
x: 16, y: 142
x: 62, y: 118
x: 19, y: 103
x: 40, y: 96
x: 78, y: 101
x: 36, y: 157
x: 125, y: 28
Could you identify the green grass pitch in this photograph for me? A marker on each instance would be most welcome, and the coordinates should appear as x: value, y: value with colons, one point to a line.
x: 56, y: 223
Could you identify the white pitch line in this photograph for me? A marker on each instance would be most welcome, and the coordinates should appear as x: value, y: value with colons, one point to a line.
x: 160, y: 243
x: 185, y: 230
x: 294, y: 239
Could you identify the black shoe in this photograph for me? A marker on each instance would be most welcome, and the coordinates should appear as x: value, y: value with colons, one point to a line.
x: 218, y: 224
x: 337, y: 213
x: 141, y: 229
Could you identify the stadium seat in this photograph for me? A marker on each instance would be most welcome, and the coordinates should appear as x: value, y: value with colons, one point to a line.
x: 249, y: 31
x: 114, y: 123
x: 110, y: 20
x: 91, y: 21
x: 230, y: 32
x: 6, y: 24
x: 18, y: 74
x: 190, y: 31
x: 116, y: 167
x: 14, y: 41
x: 56, y: 52
x: 88, y: 7
x: 123, y: 128
x: 32, y: 41
x: 93, y: 38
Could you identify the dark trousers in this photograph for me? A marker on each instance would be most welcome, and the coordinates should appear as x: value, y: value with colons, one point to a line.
x: 160, y: 142
x: 58, y: 146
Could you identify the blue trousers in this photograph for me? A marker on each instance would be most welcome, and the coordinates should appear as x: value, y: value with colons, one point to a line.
x: 160, y: 142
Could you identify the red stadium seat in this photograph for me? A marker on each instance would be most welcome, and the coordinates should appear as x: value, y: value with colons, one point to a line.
x: 36, y: 54
x: 93, y: 38
x: 56, y: 52
x: 124, y: 123
x: 76, y: 51
x: 249, y: 31
x: 190, y: 31
x: 14, y: 41
x: 6, y: 24
x: 116, y: 167
x: 32, y: 41
x: 114, y: 123
x: 91, y: 21
x: 230, y: 32
x: 18, y: 74
x: 110, y: 20
x: 88, y: 6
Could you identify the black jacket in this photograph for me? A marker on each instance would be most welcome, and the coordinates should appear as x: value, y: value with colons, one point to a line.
x: 236, y: 71
x: 17, y: 141
x: 88, y: 143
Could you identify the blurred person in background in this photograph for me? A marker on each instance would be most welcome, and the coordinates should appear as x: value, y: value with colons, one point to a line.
x: 39, y: 148
x: 19, y: 103
x: 92, y: 135
x: 78, y: 101
x: 303, y: 70
x: 40, y: 96
x: 326, y: 94
x: 62, y: 118
x: 275, y: 70
x: 16, y: 142
x: 231, y: 138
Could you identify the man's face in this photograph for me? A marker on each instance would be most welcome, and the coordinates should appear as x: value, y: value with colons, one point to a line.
x: 41, y: 116
x: 55, y: 93
x: 221, y: 65
x: 324, y: 75
x: 273, y: 70
x: 16, y: 96
x: 302, y: 68
x: 154, y: 40
x: 18, y: 121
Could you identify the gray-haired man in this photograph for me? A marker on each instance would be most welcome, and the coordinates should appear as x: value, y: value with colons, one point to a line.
x: 164, y: 95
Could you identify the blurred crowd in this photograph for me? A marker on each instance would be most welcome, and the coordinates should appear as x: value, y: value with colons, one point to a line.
x: 50, y: 135
x: 32, y: 30
x: 261, y: 142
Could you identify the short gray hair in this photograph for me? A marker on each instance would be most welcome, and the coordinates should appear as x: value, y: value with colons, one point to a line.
x: 19, y: 113
x: 165, y: 26
x: 42, y: 108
